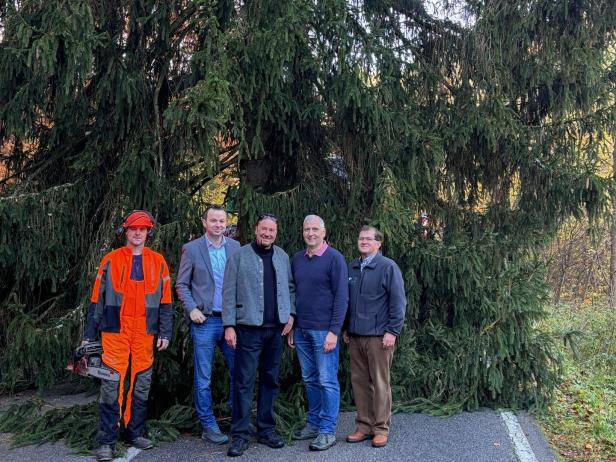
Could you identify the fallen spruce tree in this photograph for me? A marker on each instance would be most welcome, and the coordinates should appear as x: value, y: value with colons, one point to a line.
x: 489, y: 115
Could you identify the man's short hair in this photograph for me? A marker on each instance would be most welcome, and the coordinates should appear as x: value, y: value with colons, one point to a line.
x: 377, y: 234
x: 267, y: 216
x: 315, y: 217
x: 213, y: 207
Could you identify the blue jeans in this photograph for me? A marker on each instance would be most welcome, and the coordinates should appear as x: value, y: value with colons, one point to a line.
x: 205, y: 338
x: 320, y: 374
x: 258, y: 350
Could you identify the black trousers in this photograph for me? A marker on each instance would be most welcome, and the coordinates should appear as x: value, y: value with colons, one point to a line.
x: 258, y: 349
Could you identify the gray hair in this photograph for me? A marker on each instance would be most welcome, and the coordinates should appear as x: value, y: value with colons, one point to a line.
x: 315, y: 217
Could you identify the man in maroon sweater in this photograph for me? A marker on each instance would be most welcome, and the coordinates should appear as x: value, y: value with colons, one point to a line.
x: 321, y: 299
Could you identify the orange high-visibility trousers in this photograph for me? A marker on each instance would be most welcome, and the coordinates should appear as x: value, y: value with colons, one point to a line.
x: 131, y: 345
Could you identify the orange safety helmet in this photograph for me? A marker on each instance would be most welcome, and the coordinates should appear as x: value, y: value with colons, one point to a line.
x: 138, y: 218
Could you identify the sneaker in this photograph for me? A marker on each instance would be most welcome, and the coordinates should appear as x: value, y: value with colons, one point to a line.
x: 272, y: 439
x: 214, y: 435
x: 237, y: 447
x: 322, y: 442
x: 307, y: 433
x: 141, y: 443
x: 104, y: 452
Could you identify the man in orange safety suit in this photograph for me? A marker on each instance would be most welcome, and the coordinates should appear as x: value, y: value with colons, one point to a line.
x: 130, y: 307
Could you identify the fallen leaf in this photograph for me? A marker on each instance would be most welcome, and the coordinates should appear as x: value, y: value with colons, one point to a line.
x: 588, y: 446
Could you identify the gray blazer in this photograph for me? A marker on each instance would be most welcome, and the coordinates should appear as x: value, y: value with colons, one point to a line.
x: 242, y: 292
x: 195, y: 280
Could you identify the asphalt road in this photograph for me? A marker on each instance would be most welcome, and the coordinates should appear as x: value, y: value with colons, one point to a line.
x: 482, y: 436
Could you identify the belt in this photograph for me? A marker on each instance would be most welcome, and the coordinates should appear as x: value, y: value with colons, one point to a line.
x: 216, y: 314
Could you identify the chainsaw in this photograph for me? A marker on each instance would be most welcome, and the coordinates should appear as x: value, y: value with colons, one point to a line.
x: 87, y: 362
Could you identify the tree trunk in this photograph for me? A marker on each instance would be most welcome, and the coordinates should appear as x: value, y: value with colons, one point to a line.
x: 564, y: 264
x: 590, y: 271
x: 613, y: 234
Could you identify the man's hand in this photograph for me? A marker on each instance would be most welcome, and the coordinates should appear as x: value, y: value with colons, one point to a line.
x: 197, y: 316
x: 331, y: 340
x: 288, y: 326
x: 230, y: 337
x: 389, y: 340
x: 162, y: 344
x: 345, y: 337
x: 291, y: 340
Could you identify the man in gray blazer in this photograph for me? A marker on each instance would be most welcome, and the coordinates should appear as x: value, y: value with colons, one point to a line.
x: 199, y: 287
x: 258, y: 309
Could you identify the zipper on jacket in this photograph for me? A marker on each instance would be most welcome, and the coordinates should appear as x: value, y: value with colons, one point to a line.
x: 358, y: 292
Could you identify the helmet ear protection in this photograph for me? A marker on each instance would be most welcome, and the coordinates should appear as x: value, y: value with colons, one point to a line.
x: 133, y: 218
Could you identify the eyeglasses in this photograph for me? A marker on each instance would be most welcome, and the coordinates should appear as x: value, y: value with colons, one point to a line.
x: 366, y: 239
x: 267, y: 216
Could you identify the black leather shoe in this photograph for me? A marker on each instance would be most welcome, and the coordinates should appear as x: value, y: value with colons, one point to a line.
x: 237, y: 447
x: 273, y: 440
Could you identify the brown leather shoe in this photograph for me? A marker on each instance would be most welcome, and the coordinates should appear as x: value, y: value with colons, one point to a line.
x: 357, y: 437
x: 379, y: 441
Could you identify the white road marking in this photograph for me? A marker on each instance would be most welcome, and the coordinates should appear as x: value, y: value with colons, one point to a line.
x: 131, y: 453
x: 521, y: 446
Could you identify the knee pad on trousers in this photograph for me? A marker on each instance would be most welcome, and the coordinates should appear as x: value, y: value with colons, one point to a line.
x: 141, y: 387
x: 109, y: 392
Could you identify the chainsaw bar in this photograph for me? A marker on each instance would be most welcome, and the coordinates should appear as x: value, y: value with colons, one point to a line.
x: 87, y: 362
x: 103, y: 373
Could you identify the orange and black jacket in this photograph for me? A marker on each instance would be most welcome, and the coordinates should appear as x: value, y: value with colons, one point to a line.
x: 106, y: 301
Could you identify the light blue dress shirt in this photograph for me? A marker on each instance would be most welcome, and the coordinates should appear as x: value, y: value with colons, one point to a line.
x: 218, y: 258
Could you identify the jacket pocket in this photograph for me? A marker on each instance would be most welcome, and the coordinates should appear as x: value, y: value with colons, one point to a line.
x: 151, y: 320
x: 110, y: 321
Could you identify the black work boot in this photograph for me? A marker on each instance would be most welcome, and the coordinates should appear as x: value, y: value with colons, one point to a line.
x: 104, y: 452
x: 141, y: 442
